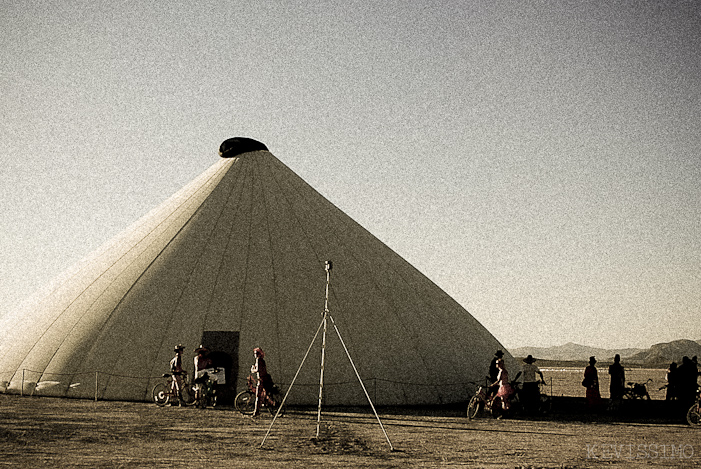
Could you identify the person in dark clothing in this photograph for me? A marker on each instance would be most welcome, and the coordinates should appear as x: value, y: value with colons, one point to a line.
x: 591, y: 382
x: 618, y: 379
x: 672, y: 377
x: 687, y: 375
x: 494, y: 373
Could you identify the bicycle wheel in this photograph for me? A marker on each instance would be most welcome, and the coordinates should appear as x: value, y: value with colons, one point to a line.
x: 497, y: 409
x: 474, y: 407
x: 160, y: 394
x: 245, y: 402
x: 275, y: 406
x: 201, y: 401
x: 188, y: 394
x: 693, y: 416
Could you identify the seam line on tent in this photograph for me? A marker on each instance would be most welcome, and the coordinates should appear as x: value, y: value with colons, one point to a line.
x: 205, y: 185
x: 239, y: 184
x: 203, y: 250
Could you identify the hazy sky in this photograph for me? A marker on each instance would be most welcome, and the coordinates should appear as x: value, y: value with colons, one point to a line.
x: 540, y: 161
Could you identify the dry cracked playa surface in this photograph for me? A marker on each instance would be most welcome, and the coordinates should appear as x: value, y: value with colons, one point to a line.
x: 42, y: 432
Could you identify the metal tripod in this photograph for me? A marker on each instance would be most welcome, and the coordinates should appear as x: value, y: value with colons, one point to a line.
x: 324, y: 325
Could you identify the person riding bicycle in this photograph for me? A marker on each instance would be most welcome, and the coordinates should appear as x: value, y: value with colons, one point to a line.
x: 265, y: 382
x: 176, y: 368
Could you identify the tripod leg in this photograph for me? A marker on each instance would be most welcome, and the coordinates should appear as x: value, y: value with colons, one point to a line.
x: 291, y: 384
x: 361, y: 382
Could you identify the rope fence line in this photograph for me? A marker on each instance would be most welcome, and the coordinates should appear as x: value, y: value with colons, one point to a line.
x: 99, y: 376
x: 243, y: 380
x: 557, y: 384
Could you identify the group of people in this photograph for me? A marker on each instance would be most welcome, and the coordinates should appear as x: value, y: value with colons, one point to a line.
x: 682, y: 380
x: 501, y: 388
x: 203, y: 362
x: 682, y: 384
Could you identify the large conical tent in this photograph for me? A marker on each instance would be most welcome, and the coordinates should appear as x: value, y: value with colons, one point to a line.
x: 235, y: 260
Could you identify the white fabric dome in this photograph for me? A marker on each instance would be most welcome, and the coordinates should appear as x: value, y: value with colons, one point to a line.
x: 235, y: 260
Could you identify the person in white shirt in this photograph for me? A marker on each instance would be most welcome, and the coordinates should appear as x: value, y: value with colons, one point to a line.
x: 176, y: 368
x: 531, y: 392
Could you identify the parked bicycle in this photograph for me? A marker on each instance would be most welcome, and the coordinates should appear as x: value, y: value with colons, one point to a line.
x: 543, y: 405
x: 205, y: 391
x: 480, y: 401
x: 245, y: 401
x: 637, y: 390
x: 166, y: 392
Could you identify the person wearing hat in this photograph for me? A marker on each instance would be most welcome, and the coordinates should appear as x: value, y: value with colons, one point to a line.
x: 176, y: 367
x: 591, y: 382
x: 494, y: 372
x: 202, y: 361
x: 531, y: 391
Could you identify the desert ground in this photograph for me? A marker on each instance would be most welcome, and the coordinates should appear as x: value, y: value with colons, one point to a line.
x: 51, y: 432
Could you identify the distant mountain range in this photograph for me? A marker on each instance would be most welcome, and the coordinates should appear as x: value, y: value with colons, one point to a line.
x: 658, y: 354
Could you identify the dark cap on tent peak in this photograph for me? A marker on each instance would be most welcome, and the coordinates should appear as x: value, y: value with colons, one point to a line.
x: 237, y: 145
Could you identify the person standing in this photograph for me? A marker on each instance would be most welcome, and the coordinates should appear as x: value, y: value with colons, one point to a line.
x: 504, y: 386
x: 671, y: 377
x: 531, y: 391
x: 687, y: 383
x: 591, y: 382
x: 493, y: 373
x: 265, y: 382
x: 618, y: 379
x: 202, y: 363
x: 176, y: 368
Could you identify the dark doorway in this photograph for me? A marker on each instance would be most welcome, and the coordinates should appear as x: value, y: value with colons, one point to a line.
x: 224, y: 352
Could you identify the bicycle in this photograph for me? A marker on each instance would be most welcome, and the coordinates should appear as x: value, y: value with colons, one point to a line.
x: 478, y: 402
x: 543, y: 406
x: 205, y: 393
x: 483, y: 401
x: 637, y: 390
x: 165, y: 392
x: 245, y: 401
